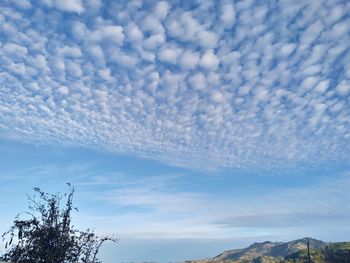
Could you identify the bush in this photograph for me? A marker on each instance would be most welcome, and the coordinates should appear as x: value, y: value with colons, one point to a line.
x: 48, y: 235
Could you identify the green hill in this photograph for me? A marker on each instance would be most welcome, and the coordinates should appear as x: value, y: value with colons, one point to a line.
x: 285, y: 252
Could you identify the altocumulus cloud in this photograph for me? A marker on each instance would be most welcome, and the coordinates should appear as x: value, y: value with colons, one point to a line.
x: 221, y: 83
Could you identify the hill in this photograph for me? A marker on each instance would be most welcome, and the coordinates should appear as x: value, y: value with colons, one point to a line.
x: 285, y: 252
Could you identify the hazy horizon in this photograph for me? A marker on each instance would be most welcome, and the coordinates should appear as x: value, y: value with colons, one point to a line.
x: 186, y: 127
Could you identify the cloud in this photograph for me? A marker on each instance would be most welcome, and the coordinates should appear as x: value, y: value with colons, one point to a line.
x: 186, y: 205
x: 154, y: 207
x: 228, y: 15
x: 189, y: 60
x: 287, y: 49
x: 289, y: 220
x: 209, y: 60
x: 297, y: 208
x: 232, y: 85
x: 169, y: 54
x: 217, y: 97
x: 24, y: 4
x: 75, y: 6
x: 14, y: 50
x: 134, y: 33
x: 208, y: 39
x: 198, y: 81
x: 109, y: 33
x: 343, y: 88
x: 162, y: 9
x: 63, y: 90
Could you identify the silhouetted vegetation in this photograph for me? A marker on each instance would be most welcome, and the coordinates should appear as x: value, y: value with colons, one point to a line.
x: 331, y: 253
x: 338, y: 252
x: 48, y: 236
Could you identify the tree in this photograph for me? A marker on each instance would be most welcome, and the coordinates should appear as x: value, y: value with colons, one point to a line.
x: 48, y: 235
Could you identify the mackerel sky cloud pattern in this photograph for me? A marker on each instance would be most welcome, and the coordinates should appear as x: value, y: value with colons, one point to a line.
x: 220, y: 83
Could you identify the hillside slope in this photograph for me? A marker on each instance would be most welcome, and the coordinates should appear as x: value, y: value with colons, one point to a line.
x: 285, y: 252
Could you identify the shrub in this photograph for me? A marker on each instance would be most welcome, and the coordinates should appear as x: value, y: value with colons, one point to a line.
x: 48, y: 235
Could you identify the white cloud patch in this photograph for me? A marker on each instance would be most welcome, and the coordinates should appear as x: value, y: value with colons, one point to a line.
x: 232, y: 85
x: 189, y: 60
x: 112, y: 33
x: 228, y: 15
x: 169, y: 54
x: 162, y: 9
x: 63, y: 90
x: 14, y: 50
x: 287, y: 49
x: 25, y: 4
x: 134, y: 33
x: 343, y: 88
x: 75, y: 6
x: 322, y: 86
x: 209, y: 60
x: 198, y: 81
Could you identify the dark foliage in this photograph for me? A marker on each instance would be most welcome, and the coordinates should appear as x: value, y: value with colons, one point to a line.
x: 338, y: 252
x: 48, y: 235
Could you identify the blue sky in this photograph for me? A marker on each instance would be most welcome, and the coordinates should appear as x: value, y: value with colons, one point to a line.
x: 193, y: 126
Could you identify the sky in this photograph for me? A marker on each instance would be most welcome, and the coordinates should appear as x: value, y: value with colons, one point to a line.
x: 186, y: 127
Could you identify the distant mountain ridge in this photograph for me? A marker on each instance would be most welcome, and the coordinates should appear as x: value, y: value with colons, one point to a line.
x: 270, y: 249
x: 284, y: 252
